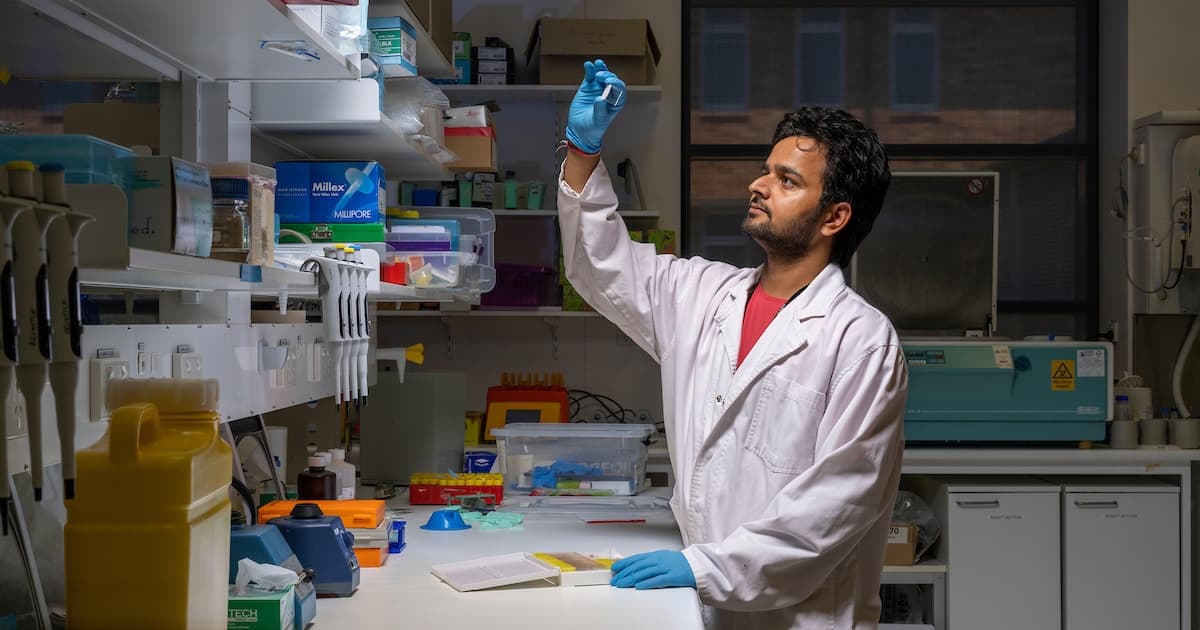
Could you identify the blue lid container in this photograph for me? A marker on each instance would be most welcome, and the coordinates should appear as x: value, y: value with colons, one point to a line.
x: 85, y: 159
x: 322, y: 543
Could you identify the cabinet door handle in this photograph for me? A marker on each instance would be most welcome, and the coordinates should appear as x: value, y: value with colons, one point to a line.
x: 1111, y: 503
x: 994, y: 503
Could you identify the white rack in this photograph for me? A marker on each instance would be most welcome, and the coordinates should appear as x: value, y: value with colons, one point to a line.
x: 554, y: 313
x: 161, y: 271
x: 627, y: 215
x: 340, y: 120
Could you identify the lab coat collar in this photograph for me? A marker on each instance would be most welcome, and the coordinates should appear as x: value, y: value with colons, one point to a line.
x: 815, y: 301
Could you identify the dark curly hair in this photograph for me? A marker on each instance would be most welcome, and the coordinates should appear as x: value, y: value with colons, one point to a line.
x: 856, y: 169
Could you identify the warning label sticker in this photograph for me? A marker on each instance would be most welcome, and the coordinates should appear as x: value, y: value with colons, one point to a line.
x: 1062, y: 375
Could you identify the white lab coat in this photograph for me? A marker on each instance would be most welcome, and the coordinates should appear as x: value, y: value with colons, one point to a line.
x: 786, y: 468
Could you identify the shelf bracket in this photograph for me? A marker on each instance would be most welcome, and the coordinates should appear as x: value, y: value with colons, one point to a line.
x: 449, y: 337
x: 553, y: 324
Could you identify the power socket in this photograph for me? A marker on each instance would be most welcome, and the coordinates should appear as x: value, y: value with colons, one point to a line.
x: 187, y: 365
x: 102, y: 371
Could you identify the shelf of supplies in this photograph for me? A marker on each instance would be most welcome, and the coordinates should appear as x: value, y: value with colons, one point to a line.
x: 927, y: 566
x: 340, y: 120
x: 461, y: 93
x: 160, y: 271
x: 220, y: 39
x: 631, y: 214
x: 431, y: 62
x: 492, y: 314
x: 42, y: 39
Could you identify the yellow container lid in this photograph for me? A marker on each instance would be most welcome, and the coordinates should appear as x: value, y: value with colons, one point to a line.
x: 169, y: 395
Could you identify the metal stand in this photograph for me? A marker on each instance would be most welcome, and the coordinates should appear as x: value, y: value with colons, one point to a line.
x: 255, y: 428
x: 25, y: 547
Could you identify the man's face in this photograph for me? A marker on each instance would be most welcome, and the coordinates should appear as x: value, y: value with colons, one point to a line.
x: 784, y: 216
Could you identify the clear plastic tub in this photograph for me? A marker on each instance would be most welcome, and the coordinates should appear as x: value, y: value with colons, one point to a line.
x: 86, y: 159
x: 476, y: 229
x: 419, y: 241
x: 434, y: 269
x: 597, y: 458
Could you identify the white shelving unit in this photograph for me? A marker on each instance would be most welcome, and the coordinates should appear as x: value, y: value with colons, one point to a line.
x: 161, y: 271
x: 70, y: 46
x: 493, y: 314
x: 340, y: 120
x: 466, y: 93
x: 216, y: 39
x: 632, y: 214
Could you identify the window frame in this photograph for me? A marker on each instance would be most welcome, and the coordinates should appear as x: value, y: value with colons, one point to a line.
x: 818, y: 28
x: 933, y: 29
x: 1085, y: 304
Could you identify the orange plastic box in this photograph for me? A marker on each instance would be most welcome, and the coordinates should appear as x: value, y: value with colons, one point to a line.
x: 355, y: 514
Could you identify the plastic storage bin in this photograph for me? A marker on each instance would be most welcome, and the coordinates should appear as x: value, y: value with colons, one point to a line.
x: 358, y: 513
x: 86, y: 159
x: 434, y: 269
x: 418, y: 241
x: 524, y: 285
x: 596, y: 458
x: 476, y: 230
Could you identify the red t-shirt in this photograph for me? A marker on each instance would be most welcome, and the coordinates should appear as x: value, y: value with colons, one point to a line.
x: 760, y: 310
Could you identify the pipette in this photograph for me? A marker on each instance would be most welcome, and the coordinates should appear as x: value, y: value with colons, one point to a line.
x: 345, y: 256
x: 62, y: 262
x: 33, y: 308
x: 364, y: 325
x: 10, y: 209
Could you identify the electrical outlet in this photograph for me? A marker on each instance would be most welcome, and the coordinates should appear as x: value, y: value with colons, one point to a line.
x: 187, y: 365
x: 143, y: 363
x: 103, y: 371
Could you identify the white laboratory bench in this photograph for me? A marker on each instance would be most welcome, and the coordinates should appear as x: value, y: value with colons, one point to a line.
x: 403, y: 593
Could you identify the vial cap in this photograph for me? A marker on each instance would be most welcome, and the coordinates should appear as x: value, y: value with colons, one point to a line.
x: 316, y: 461
x: 230, y: 188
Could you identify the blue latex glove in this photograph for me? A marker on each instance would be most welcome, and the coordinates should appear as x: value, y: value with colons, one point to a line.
x: 589, y: 115
x: 657, y: 569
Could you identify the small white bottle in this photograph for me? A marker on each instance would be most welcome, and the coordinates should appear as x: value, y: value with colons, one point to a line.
x: 346, y: 473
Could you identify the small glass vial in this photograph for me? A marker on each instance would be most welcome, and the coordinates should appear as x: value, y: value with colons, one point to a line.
x: 1123, y: 412
x: 231, y: 218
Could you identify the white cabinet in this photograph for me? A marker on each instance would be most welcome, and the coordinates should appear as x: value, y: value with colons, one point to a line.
x: 1120, y: 555
x: 1001, y: 546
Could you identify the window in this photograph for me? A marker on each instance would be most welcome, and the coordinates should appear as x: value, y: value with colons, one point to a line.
x: 820, y: 57
x: 724, y: 59
x: 1005, y: 86
x: 914, y: 60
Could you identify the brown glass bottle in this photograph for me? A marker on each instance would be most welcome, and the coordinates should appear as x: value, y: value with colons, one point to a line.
x: 316, y: 483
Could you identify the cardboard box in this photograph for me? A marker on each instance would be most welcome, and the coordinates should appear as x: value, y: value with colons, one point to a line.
x: 559, y: 46
x: 462, y: 45
x: 261, y: 610
x: 394, y: 40
x: 437, y: 18
x: 474, y: 146
x: 901, y: 545
x: 312, y: 191
x: 491, y: 66
x: 126, y: 124
x: 491, y: 79
x: 170, y: 206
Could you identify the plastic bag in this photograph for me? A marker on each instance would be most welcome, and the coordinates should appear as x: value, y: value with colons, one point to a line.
x: 910, y: 508
x: 267, y: 577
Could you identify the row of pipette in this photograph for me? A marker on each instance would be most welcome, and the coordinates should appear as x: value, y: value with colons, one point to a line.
x: 343, y: 291
x: 40, y: 321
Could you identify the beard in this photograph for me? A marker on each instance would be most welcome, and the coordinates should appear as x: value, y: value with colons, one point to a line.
x: 788, y: 241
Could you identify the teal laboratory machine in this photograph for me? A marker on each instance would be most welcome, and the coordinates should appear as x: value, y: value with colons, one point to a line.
x: 1007, y: 391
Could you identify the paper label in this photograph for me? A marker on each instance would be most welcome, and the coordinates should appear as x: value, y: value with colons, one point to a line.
x: 898, y: 535
x: 1090, y: 363
x: 1003, y: 356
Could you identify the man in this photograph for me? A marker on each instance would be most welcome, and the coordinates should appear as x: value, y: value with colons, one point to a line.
x: 783, y: 391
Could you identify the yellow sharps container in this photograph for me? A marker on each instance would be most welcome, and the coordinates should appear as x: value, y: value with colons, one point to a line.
x: 147, y: 534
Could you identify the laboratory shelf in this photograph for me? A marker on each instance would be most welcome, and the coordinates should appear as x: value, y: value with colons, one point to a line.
x: 625, y: 214
x: 555, y: 313
x: 219, y: 39
x: 924, y: 567
x: 467, y: 94
x: 340, y: 120
x: 161, y: 271
x: 43, y: 39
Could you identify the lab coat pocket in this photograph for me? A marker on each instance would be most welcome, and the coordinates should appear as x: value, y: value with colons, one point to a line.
x: 783, y: 432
